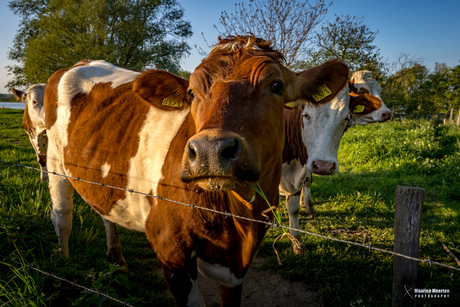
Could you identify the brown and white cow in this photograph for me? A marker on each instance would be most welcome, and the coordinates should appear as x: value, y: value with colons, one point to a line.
x: 34, y: 122
x: 313, y: 135
x: 375, y: 110
x: 197, y: 144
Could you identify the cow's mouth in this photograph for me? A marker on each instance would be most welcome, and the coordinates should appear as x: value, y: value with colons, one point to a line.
x: 216, y: 183
x: 240, y: 190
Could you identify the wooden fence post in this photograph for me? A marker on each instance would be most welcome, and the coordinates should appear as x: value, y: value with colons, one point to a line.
x: 408, y: 214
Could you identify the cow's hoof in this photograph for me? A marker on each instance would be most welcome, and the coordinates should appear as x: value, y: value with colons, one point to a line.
x: 310, y: 210
x: 119, y: 259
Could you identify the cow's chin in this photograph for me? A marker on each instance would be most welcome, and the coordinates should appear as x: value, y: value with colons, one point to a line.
x: 243, y: 192
x: 216, y: 183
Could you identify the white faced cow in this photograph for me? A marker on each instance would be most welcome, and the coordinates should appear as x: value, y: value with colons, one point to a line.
x: 367, y: 109
x: 313, y: 137
x: 34, y: 122
x: 196, y: 143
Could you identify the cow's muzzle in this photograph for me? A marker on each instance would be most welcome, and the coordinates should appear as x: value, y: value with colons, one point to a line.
x: 321, y: 167
x: 215, y: 160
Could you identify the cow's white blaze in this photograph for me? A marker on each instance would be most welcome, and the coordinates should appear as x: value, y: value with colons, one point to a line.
x: 34, y: 100
x: 144, y: 172
x: 324, y: 127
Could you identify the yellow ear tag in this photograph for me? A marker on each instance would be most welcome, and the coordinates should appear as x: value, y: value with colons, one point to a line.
x: 168, y: 101
x: 359, y: 108
x: 323, y: 91
x: 289, y: 105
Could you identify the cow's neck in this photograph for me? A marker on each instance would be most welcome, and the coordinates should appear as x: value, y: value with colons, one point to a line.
x: 294, y: 148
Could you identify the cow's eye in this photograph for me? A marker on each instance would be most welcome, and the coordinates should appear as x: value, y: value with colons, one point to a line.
x: 34, y: 102
x: 277, y: 88
x: 305, y: 114
x: 190, y: 92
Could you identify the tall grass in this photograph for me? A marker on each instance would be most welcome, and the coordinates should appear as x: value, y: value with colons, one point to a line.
x: 356, y: 205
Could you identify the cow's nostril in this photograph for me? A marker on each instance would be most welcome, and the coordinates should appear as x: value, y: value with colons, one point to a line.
x: 315, y: 167
x: 191, y: 152
x: 230, y: 149
x: 332, y: 170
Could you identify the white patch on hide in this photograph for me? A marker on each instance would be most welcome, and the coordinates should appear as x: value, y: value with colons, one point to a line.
x: 105, y: 169
x: 144, y: 172
x: 219, y: 273
x: 81, y: 80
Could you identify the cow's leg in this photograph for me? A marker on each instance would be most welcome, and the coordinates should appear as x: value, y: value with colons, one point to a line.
x: 293, y: 207
x: 230, y: 296
x: 61, y: 191
x: 113, y: 243
x: 183, y: 285
x: 307, y: 201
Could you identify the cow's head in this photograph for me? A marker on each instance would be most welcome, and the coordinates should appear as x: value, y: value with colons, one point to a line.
x: 239, y: 92
x: 323, y: 127
x: 366, y: 105
x: 34, y: 122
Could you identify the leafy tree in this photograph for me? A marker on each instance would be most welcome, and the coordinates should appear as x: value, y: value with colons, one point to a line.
x: 347, y: 38
x: 184, y: 74
x: 58, y: 33
x: 287, y: 24
x: 418, y: 93
x: 454, y: 81
x: 454, y: 87
x: 402, y: 91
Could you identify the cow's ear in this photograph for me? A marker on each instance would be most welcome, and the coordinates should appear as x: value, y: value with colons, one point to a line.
x: 364, y: 104
x: 351, y: 87
x: 18, y: 95
x: 319, y: 84
x: 162, y: 89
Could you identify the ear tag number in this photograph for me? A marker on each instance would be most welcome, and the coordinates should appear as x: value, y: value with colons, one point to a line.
x: 289, y: 105
x: 169, y: 102
x: 323, y: 92
x: 359, y: 108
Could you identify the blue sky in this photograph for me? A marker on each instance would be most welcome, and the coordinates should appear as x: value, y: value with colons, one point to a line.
x: 420, y: 28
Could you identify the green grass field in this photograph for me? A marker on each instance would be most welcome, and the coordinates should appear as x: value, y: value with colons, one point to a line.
x: 355, y: 205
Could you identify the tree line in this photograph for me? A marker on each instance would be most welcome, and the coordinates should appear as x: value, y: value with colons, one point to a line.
x: 7, y: 98
x: 138, y: 34
x: 414, y: 91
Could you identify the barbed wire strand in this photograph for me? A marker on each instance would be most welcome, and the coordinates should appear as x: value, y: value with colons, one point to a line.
x: 68, y: 281
x: 267, y: 223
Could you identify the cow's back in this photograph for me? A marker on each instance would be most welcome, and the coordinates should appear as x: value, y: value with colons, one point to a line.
x: 106, y: 132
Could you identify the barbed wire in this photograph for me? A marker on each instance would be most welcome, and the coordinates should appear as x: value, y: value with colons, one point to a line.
x: 227, y: 214
x: 68, y: 281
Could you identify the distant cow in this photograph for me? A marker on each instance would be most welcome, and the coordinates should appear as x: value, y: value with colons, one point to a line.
x: 362, y: 83
x: 196, y: 144
x: 313, y: 135
x: 34, y: 122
